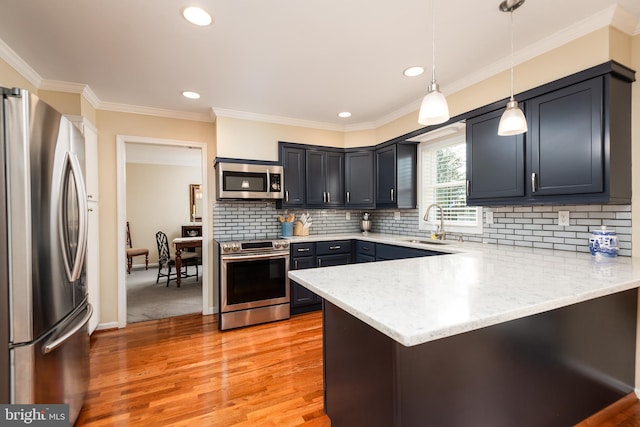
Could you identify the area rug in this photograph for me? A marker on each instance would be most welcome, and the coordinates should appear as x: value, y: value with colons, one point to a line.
x: 147, y: 300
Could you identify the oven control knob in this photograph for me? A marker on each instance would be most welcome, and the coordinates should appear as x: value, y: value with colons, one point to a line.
x: 226, y: 247
x: 285, y: 244
x: 235, y: 247
x: 277, y: 244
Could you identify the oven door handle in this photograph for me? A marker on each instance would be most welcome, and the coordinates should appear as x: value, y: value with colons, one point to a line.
x: 251, y: 257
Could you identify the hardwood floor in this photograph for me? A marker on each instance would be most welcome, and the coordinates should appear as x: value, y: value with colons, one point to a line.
x: 182, y: 371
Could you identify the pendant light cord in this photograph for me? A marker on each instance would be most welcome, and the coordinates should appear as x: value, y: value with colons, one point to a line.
x: 433, y: 43
x: 512, y: 60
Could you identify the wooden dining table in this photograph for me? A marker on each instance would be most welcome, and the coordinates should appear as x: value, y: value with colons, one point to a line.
x: 181, y: 243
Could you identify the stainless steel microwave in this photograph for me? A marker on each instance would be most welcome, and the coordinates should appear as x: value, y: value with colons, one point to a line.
x: 249, y: 181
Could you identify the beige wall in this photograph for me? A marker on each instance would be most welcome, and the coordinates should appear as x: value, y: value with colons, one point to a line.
x: 158, y: 200
x: 9, y: 77
x: 246, y: 139
x: 110, y: 125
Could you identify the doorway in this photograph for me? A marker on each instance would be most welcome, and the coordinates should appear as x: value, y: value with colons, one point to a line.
x: 148, y: 155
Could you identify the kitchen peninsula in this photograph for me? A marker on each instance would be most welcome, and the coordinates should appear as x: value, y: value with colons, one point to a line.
x: 485, y: 336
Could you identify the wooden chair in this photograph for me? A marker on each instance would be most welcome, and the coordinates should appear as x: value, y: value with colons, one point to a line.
x: 167, y: 262
x: 134, y: 252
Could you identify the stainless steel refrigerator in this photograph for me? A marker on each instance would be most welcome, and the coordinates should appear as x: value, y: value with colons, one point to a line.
x: 43, y: 240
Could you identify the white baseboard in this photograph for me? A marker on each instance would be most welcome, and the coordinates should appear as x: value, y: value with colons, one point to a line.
x: 109, y: 325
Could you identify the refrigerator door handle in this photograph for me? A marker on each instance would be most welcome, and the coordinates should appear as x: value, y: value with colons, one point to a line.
x: 51, y: 345
x: 73, y: 272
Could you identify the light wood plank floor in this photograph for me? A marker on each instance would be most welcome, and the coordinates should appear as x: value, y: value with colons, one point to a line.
x: 182, y: 371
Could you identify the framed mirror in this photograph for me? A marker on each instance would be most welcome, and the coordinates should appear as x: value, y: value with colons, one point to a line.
x: 195, y: 202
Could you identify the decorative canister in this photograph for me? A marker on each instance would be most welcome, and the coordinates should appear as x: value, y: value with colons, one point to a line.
x: 603, y: 242
x: 365, y: 225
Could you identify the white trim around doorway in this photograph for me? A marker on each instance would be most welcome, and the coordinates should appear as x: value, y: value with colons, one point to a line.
x: 121, y: 162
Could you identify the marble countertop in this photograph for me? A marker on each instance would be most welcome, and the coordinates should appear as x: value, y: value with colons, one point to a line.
x: 475, y: 285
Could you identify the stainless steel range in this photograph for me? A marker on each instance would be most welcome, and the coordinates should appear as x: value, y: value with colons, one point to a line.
x: 254, y: 286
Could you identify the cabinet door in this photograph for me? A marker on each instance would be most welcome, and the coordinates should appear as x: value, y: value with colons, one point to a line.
x: 293, y: 162
x: 386, y: 176
x: 359, y: 179
x: 495, y: 164
x: 331, y: 260
x: 300, y: 263
x: 316, y: 170
x: 566, y: 140
x: 334, y: 179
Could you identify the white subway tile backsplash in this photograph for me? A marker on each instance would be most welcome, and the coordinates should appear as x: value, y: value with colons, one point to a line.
x: 534, y: 226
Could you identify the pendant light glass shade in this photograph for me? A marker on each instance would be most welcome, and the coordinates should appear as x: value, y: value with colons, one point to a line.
x: 512, y: 121
x: 434, y: 109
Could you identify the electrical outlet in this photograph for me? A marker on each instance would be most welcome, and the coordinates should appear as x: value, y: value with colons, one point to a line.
x: 396, y: 215
x: 563, y: 218
x: 489, y: 217
x: 347, y: 216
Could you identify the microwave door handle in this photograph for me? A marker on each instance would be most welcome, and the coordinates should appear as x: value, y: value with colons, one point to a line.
x: 72, y: 167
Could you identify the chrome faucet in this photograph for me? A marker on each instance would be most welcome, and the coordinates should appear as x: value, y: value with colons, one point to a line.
x: 440, y: 234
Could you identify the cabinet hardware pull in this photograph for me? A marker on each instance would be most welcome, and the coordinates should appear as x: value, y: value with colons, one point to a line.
x: 328, y: 197
x: 303, y: 249
x: 319, y: 262
x: 286, y: 195
x: 334, y: 247
x: 392, y: 195
x: 533, y: 182
x: 348, y: 197
x: 468, y: 187
x: 295, y: 262
x: 365, y: 248
x: 324, y: 197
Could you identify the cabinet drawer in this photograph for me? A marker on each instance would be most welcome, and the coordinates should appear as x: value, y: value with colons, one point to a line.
x: 333, y: 247
x: 365, y: 248
x: 303, y: 249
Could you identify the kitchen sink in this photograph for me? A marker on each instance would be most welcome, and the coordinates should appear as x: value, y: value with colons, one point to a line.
x: 429, y: 241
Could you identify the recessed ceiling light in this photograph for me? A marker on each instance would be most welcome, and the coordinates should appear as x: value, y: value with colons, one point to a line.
x: 413, y: 71
x: 191, y: 95
x: 344, y: 114
x: 197, y: 16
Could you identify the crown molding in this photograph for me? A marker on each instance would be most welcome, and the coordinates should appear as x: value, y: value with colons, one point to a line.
x: 12, y: 58
x: 151, y: 111
x: 280, y: 120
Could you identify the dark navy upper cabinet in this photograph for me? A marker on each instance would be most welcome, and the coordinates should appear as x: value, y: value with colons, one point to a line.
x: 359, y: 179
x: 495, y: 165
x: 293, y: 162
x: 325, y: 178
x: 396, y: 176
x: 566, y: 140
x: 577, y: 148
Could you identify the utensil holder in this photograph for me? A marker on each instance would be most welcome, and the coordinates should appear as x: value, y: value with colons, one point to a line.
x: 287, y: 229
x: 299, y: 230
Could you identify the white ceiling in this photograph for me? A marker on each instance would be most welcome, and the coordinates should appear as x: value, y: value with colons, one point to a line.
x: 300, y: 61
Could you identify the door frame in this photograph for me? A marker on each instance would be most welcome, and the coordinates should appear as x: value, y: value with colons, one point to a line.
x: 121, y: 192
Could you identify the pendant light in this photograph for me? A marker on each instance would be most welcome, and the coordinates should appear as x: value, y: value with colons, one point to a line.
x: 512, y: 121
x: 434, y: 109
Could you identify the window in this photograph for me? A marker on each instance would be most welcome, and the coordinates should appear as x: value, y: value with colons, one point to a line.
x: 443, y: 181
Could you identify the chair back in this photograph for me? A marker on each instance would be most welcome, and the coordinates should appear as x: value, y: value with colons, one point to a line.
x: 129, y: 236
x: 163, y: 247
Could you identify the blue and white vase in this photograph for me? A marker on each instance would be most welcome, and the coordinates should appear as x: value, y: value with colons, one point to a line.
x: 603, y: 242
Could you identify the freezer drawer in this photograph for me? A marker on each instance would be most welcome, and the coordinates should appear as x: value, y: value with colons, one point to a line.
x: 55, y: 369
